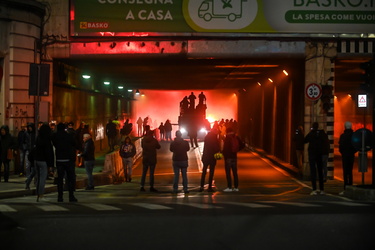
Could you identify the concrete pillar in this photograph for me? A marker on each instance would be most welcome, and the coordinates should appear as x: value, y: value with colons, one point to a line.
x: 319, y: 69
x: 20, y: 25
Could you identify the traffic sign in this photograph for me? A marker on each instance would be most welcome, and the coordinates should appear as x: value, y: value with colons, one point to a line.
x: 313, y: 91
x: 362, y: 101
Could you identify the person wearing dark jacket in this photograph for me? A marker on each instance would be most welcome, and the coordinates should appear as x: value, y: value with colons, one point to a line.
x: 347, y: 151
x: 22, y: 139
x: 127, y: 152
x: 232, y: 144
x: 64, y: 144
x: 149, y: 146
x: 88, y: 154
x: 210, y: 148
x: 7, y: 142
x: 180, y: 147
x: 44, y: 159
x: 30, y: 166
x: 316, y: 140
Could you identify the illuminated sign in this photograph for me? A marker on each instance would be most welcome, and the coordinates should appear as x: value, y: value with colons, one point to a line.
x: 93, y: 17
x: 362, y: 101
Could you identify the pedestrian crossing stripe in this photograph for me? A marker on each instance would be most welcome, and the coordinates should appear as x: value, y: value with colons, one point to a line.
x: 6, y: 208
x: 51, y: 208
x: 100, y: 207
x: 350, y: 204
x: 198, y: 205
x: 151, y: 206
x: 251, y: 205
x: 297, y: 204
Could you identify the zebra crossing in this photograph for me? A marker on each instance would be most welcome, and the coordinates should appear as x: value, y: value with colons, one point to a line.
x: 66, y: 207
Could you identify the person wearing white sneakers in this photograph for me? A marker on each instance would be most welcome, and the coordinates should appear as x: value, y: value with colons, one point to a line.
x: 315, y: 139
x: 232, y: 144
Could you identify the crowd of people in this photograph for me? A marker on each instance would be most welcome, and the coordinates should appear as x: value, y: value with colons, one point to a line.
x: 49, y: 151
x: 220, y: 140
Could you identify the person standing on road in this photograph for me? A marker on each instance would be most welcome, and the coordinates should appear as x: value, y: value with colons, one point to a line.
x: 88, y: 154
x: 7, y: 144
x: 30, y: 166
x: 127, y: 152
x: 44, y: 159
x: 315, y: 138
x: 149, y: 145
x: 64, y: 144
x: 347, y: 151
x: 168, y: 130
x: 180, y: 147
x: 210, y: 148
x: 23, y: 141
x: 162, y: 131
x: 232, y: 145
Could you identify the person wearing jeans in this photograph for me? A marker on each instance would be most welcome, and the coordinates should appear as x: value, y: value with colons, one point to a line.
x: 180, y: 147
x: 44, y: 158
x: 127, y: 152
x: 232, y: 144
x: 88, y: 154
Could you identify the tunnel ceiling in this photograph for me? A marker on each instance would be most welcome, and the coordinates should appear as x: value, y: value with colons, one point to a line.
x: 176, y: 73
x: 180, y: 73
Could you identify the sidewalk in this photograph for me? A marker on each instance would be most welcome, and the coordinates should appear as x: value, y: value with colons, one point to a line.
x: 16, y: 185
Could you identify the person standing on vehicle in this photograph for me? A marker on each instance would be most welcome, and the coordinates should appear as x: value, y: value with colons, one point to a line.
x: 180, y: 147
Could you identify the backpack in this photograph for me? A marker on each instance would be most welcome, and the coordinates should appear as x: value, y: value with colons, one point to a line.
x: 235, y: 145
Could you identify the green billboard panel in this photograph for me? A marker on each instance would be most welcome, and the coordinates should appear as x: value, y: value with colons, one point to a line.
x: 93, y: 17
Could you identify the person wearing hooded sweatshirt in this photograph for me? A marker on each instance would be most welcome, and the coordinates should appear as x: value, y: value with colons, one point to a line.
x: 347, y: 151
x: 6, y: 142
x: 180, y: 147
x: 149, y: 146
x: 127, y: 152
x: 64, y: 144
x: 44, y: 159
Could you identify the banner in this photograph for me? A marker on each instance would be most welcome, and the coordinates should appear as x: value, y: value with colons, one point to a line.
x: 94, y: 17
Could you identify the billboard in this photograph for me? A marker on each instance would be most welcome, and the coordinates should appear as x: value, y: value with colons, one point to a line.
x: 117, y: 17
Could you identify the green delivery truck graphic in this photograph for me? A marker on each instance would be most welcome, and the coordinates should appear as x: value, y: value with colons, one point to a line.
x: 231, y: 9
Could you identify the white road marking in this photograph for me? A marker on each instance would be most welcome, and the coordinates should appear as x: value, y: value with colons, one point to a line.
x: 252, y: 205
x: 6, y: 208
x: 199, y: 205
x: 100, y: 207
x: 51, y: 207
x: 297, y: 204
x: 350, y: 204
x: 151, y: 206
